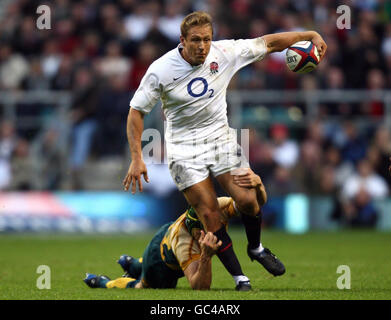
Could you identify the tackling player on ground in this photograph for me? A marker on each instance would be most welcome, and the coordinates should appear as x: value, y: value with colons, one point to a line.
x: 191, y: 81
x: 178, y: 249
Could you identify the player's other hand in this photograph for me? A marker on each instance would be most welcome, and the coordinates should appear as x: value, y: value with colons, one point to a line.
x: 209, y: 243
x: 320, y: 44
x: 133, y: 177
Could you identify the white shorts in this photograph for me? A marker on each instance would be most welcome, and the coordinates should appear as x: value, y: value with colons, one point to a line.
x: 192, y: 162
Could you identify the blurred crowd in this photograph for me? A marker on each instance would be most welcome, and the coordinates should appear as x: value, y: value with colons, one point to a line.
x: 340, y: 161
x: 100, y: 49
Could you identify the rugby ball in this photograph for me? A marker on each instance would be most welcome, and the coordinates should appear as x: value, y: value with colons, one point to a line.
x: 302, y: 57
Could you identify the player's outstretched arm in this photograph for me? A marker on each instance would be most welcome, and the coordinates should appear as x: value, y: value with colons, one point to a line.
x: 252, y: 180
x: 279, y: 41
x: 134, y: 129
x: 199, y: 273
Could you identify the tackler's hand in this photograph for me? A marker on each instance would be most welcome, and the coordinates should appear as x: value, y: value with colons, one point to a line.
x: 247, y: 179
x: 209, y: 243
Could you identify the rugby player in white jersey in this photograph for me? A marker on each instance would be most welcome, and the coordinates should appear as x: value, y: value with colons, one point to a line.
x: 179, y: 248
x: 191, y: 82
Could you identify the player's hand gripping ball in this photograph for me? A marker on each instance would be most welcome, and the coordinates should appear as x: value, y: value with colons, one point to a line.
x: 302, y: 57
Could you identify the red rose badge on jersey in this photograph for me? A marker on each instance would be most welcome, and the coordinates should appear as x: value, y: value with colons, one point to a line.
x: 214, y: 67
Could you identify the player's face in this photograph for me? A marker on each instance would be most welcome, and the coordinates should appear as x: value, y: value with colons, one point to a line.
x: 197, y: 43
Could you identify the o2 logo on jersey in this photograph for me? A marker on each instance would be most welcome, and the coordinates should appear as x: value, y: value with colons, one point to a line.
x: 204, y: 90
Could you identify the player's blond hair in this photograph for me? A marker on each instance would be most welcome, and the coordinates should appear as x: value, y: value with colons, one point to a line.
x: 197, y: 18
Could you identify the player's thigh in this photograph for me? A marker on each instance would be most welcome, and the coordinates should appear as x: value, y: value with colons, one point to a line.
x: 245, y: 198
x: 202, y: 197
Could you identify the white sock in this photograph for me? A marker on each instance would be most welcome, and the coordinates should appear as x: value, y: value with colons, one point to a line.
x: 240, y: 278
x: 257, y: 250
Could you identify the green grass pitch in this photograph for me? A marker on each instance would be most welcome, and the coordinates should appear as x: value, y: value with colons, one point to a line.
x: 311, y: 261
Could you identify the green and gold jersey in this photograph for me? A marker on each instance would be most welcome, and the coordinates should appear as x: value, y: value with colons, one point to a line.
x: 178, y: 248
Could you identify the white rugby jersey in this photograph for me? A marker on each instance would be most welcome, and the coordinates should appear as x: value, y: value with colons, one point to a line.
x: 194, y: 97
